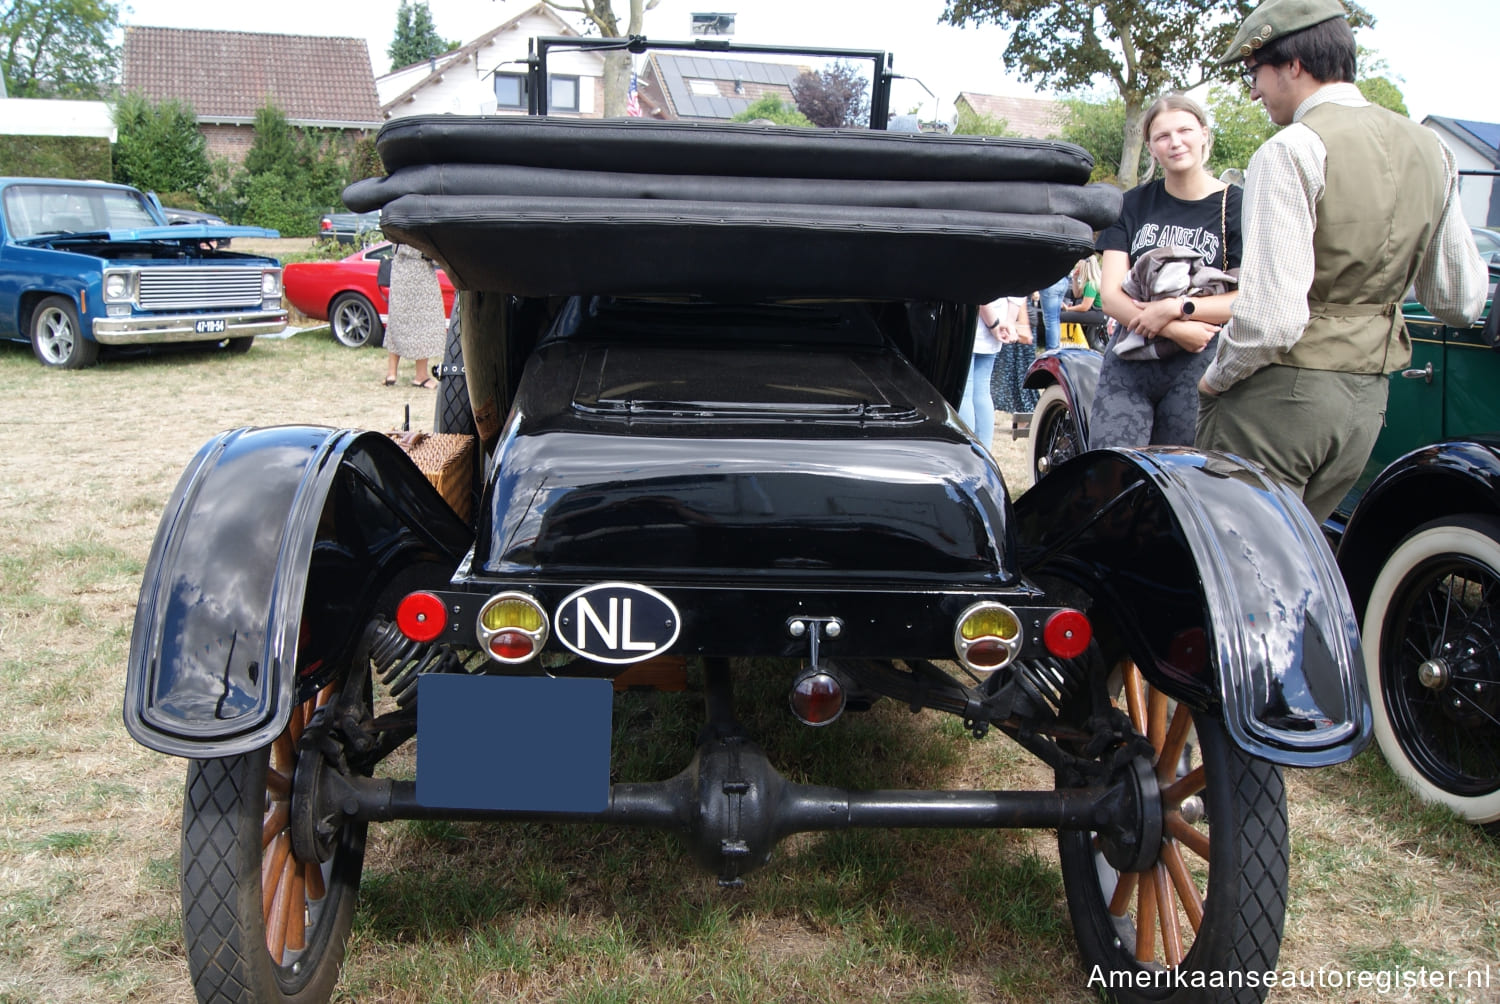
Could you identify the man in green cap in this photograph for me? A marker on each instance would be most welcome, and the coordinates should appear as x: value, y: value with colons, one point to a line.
x: 1345, y: 209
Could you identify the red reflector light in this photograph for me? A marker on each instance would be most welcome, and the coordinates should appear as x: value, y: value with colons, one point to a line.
x: 1067, y: 634
x: 512, y: 645
x: 325, y: 224
x: 817, y: 698
x: 421, y: 617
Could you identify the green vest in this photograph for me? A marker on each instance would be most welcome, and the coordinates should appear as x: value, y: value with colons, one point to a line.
x: 1386, y: 182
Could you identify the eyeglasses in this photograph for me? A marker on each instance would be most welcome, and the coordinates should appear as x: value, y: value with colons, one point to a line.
x: 1247, y: 73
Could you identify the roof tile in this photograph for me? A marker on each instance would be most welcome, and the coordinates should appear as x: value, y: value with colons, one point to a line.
x: 1034, y: 118
x: 232, y: 74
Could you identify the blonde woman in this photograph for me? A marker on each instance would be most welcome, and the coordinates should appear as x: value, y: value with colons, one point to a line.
x: 1086, y: 278
x: 1156, y: 401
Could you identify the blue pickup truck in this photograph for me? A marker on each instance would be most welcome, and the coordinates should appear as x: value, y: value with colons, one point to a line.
x: 85, y: 264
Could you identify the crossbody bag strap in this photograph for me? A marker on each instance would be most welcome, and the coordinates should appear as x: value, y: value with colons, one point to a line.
x: 1224, y: 225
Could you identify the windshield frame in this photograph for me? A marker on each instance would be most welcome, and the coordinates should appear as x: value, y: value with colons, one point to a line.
x: 40, y: 209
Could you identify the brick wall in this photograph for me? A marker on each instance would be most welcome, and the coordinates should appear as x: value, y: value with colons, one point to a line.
x: 229, y: 141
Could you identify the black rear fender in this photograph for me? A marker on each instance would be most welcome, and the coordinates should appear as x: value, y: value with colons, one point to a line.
x: 1451, y: 478
x: 1076, y: 371
x: 1219, y: 585
x: 276, y: 547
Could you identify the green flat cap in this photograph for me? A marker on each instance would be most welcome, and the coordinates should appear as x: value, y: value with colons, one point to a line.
x: 1275, y: 18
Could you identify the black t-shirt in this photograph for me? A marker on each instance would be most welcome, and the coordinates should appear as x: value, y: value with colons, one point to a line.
x: 1153, y: 218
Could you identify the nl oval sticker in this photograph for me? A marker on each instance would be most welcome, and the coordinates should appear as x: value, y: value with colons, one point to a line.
x: 617, y: 622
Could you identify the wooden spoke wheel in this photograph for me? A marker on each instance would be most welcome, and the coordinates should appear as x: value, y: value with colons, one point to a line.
x: 260, y: 924
x: 1212, y: 901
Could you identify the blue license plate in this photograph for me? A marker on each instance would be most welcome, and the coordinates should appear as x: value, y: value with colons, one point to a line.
x: 534, y: 744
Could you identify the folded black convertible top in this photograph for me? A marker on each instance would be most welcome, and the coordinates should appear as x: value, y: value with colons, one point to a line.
x: 539, y: 206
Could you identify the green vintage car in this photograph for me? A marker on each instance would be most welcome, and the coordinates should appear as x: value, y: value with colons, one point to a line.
x: 1417, y: 539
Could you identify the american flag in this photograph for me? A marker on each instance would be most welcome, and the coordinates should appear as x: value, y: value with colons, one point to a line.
x: 633, y: 100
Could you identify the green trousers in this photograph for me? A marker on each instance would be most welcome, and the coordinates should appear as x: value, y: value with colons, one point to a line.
x: 1312, y: 430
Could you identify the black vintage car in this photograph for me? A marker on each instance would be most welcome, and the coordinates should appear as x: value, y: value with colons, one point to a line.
x: 710, y: 370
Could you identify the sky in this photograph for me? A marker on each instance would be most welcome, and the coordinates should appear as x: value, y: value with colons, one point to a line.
x: 1441, y: 51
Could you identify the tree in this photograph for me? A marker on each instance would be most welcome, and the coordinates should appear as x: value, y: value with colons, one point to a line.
x: 1240, y: 127
x: 290, y: 176
x: 58, y: 48
x: 1378, y: 84
x: 971, y: 123
x: 416, y: 36
x: 771, y: 108
x: 1144, y: 48
x: 601, y: 14
x: 833, y: 97
x: 1383, y: 91
x: 1099, y: 127
x: 159, y: 146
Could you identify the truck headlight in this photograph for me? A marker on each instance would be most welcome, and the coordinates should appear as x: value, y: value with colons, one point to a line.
x: 270, y: 283
x: 116, y: 286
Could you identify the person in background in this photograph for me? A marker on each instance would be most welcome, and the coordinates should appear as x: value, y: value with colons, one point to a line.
x: 977, y: 409
x: 1081, y: 306
x: 1155, y: 401
x: 1014, y: 360
x: 1083, y: 282
x: 417, y: 326
x: 1346, y: 208
x: 1052, y: 301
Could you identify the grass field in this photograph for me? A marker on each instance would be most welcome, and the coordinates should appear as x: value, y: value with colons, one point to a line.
x: 466, y: 912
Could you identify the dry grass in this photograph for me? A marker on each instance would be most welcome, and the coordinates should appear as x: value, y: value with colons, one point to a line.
x: 88, y: 820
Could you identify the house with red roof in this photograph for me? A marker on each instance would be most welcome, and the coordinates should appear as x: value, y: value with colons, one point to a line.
x: 1033, y: 118
x: 227, y: 76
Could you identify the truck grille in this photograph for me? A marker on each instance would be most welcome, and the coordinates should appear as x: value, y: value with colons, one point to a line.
x: 199, y: 288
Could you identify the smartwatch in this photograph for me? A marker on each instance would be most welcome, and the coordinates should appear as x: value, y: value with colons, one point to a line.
x: 1187, y: 307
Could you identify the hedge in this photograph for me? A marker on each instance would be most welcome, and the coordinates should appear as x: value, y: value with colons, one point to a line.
x: 82, y: 157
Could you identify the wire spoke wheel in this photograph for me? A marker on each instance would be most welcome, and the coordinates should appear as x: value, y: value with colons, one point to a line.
x: 1211, y: 902
x: 1054, y: 433
x: 1432, y: 662
x: 262, y: 925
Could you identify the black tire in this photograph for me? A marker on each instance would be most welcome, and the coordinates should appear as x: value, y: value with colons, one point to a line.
x: 1054, y: 433
x: 228, y: 925
x: 57, y: 338
x: 239, y: 346
x: 453, y: 412
x: 1228, y: 854
x: 1431, y: 632
x: 355, y: 321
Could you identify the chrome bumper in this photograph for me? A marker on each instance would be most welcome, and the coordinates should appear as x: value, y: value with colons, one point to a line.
x: 157, y: 328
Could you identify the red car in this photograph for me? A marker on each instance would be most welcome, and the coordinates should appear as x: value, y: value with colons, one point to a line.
x: 345, y: 293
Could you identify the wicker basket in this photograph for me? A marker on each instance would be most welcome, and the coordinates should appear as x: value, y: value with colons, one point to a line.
x: 447, y: 459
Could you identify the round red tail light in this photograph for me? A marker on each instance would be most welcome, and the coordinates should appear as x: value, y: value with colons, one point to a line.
x: 512, y: 627
x: 987, y: 653
x: 1067, y: 634
x: 512, y: 646
x: 817, y: 698
x: 421, y: 617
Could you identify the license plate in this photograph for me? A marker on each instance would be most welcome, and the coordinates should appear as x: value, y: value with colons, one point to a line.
x: 209, y: 327
x: 535, y: 744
